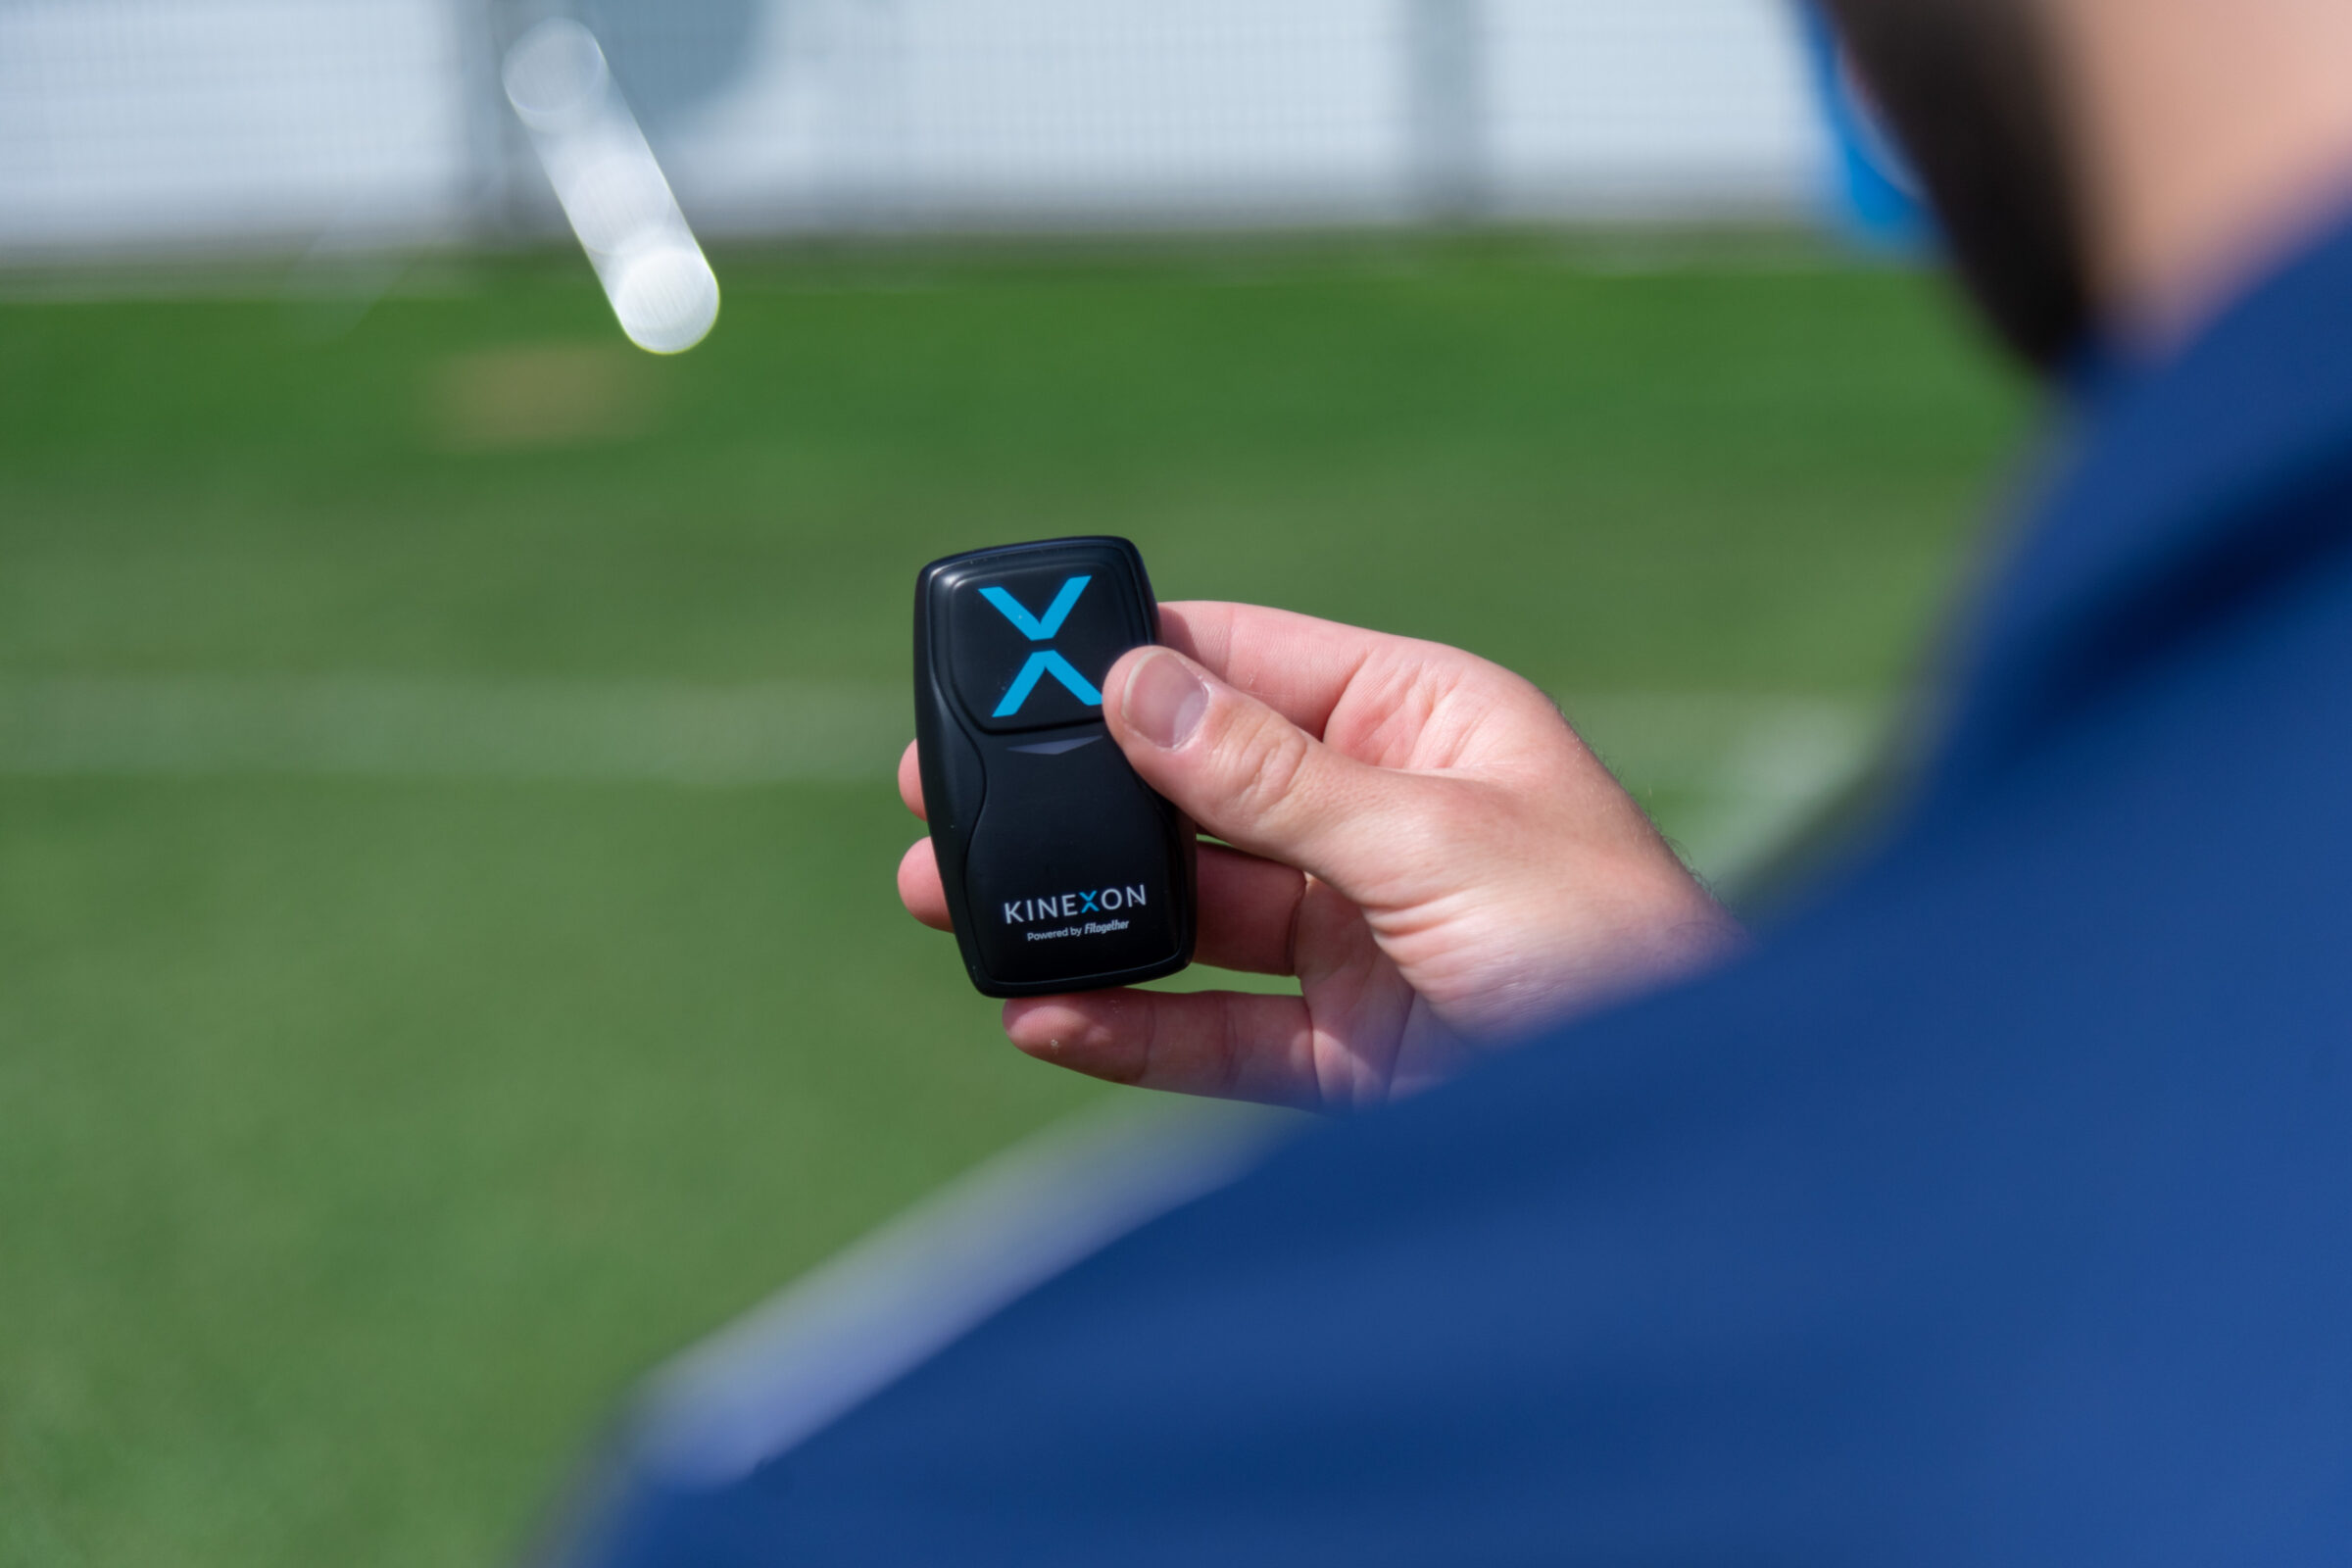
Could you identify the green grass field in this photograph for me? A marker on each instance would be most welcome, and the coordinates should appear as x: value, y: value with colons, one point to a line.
x: 395, y: 1059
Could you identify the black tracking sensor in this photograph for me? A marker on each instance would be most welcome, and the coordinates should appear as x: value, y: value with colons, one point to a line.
x: 1064, y: 869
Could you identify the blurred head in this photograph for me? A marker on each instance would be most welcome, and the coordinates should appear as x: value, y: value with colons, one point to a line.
x: 1973, y: 92
x: 2111, y: 166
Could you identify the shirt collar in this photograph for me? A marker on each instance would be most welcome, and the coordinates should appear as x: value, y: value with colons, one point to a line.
x: 2176, y: 504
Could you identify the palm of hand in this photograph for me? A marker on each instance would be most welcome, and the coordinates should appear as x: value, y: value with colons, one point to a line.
x: 1488, y: 910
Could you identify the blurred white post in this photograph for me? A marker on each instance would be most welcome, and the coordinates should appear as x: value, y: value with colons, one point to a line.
x: 1445, y: 44
x: 869, y: 191
x: 489, y: 129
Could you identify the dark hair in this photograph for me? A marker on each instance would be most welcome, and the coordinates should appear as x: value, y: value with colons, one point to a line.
x: 1972, y: 90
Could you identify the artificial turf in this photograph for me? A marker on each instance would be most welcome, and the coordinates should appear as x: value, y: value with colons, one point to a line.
x: 362, y: 1137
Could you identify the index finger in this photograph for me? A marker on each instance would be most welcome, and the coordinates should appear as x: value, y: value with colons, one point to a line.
x: 1300, y: 666
x: 911, y: 779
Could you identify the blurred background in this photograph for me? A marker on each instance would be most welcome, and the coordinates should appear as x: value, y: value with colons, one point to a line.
x: 447, y: 953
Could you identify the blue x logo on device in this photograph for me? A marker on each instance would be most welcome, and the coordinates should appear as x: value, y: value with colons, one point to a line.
x: 1045, y: 661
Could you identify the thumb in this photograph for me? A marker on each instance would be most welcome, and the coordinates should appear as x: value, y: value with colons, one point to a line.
x: 1249, y: 775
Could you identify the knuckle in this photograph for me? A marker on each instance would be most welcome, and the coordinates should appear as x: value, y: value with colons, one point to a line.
x: 1140, y: 1029
x: 1233, y: 1047
x: 1268, y: 766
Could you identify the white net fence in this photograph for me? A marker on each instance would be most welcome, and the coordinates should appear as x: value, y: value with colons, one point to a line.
x: 174, y: 126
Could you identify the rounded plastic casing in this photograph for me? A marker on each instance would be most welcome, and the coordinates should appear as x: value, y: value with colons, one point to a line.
x: 1064, y: 871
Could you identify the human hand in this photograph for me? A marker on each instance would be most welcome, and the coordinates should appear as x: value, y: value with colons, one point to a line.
x: 1416, y: 834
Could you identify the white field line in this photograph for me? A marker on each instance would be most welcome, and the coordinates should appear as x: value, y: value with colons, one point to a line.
x: 362, y: 727
x: 1757, y: 767
x: 1746, y: 768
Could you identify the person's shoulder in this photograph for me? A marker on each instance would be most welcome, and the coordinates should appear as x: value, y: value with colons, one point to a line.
x: 1777, y: 1233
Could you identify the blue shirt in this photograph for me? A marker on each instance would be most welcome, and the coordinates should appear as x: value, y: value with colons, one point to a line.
x: 1997, y: 1209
